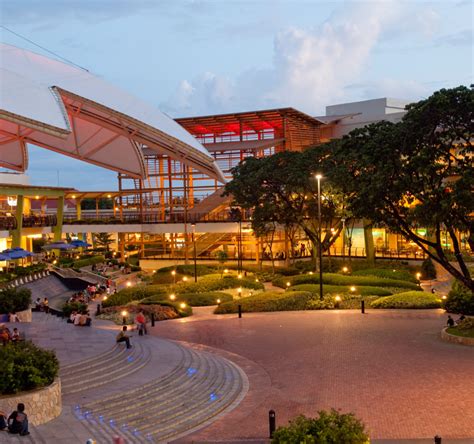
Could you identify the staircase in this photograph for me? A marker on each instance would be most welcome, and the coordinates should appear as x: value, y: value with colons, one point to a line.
x: 118, y: 363
x: 200, y: 387
x: 212, y: 203
x: 205, y: 243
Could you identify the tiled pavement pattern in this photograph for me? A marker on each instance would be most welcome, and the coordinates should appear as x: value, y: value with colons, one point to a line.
x: 180, y: 389
x: 389, y: 367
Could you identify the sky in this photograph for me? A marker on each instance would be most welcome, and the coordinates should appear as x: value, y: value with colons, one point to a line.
x: 195, y: 57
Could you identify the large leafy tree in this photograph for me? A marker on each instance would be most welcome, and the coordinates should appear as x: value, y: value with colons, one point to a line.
x: 416, y: 174
x: 282, y: 189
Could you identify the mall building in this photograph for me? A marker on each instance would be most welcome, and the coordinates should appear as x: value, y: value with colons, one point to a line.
x: 168, y: 203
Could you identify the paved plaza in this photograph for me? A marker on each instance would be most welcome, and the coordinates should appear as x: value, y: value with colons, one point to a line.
x: 388, y: 367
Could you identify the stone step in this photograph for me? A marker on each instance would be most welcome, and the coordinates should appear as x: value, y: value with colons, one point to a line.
x: 174, y: 404
x: 79, y: 366
x: 135, y: 360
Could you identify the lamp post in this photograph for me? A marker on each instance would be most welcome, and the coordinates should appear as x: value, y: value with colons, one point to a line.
x: 194, y: 250
x: 320, y: 249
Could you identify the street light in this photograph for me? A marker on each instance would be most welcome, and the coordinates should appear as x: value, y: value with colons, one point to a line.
x: 194, y: 251
x: 318, y: 178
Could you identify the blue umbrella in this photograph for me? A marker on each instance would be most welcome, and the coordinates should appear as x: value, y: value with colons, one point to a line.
x: 4, y: 257
x: 16, y: 253
x: 58, y: 246
x: 80, y: 243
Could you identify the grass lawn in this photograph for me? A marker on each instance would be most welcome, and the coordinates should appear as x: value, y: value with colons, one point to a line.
x: 464, y: 333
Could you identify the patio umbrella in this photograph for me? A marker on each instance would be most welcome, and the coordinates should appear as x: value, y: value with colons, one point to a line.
x: 58, y: 246
x: 16, y: 253
x: 80, y: 243
x: 4, y: 257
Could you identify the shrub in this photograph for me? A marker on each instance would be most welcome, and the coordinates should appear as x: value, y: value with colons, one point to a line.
x: 268, y: 301
x: 14, y: 299
x: 204, y: 299
x: 89, y: 261
x: 165, y: 277
x: 215, y: 283
x: 182, y: 312
x: 329, y: 428
x: 464, y: 328
x: 460, y: 300
x: 409, y: 299
x: 135, y: 294
x: 401, y: 275
x: 339, y: 279
x: 341, y: 289
x: 428, y: 270
x: 188, y: 270
x: 24, y: 366
x: 69, y: 307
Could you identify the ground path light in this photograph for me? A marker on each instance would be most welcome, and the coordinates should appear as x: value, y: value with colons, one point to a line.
x: 182, y: 305
x: 353, y: 289
x: 172, y: 297
x: 124, y: 317
x: 345, y: 269
x: 288, y: 284
x: 185, y: 278
x: 418, y: 275
x: 129, y: 284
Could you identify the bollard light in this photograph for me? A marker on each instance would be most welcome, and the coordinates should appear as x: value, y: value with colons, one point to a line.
x: 272, y: 422
x: 129, y: 284
x: 124, y: 317
x: 218, y: 301
x: 311, y: 272
x: 288, y: 284
x: 353, y: 289
x: 226, y: 271
x: 172, y: 297
x: 444, y: 297
x: 182, y: 305
x: 337, y: 298
x: 104, y: 298
x: 185, y: 278
x: 256, y: 280
x: 345, y: 269
x: 418, y: 275
x: 239, y: 276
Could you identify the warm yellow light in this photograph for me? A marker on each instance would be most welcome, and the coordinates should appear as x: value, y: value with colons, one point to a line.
x: 37, y: 197
x: 256, y: 280
x: 55, y: 262
x: 310, y: 272
x: 172, y: 297
x: 105, y: 298
x: 239, y: 276
x: 353, y: 289
x: 337, y: 298
x: 444, y: 297
x: 394, y: 271
x: 226, y: 271
x: 129, y: 284
x: 124, y: 313
x: 77, y: 257
x: 109, y: 196
x: 239, y: 290
x: 318, y: 176
x: 173, y: 273
x: 73, y: 196
x: 288, y: 284
x: 185, y: 278
x: 418, y: 276
x: 345, y: 269
x: 218, y: 301
x: 182, y: 305
x: 114, y: 253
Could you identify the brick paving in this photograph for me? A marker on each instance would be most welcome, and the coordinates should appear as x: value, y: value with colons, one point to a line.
x: 388, y: 367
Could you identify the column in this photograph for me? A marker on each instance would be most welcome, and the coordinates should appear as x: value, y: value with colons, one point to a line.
x: 16, y: 234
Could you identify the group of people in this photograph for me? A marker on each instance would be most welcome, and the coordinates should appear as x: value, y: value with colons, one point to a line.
x: 41, y: 305
x: 80, y: 319
x: 451, y: 322
x: 17, y: 422
x: 7, y: 336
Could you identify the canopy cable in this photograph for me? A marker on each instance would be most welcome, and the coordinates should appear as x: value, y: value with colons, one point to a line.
x: 43, y: 48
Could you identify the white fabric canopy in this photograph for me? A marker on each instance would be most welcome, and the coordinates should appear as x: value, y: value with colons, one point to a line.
x: 71, y: 111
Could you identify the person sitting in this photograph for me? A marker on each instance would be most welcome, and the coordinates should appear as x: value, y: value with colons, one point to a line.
x: 4, y: 334
x: 123, y: 337
x: 45, y: 305
x: 450, y: 321
x: 460, y: 319
x: 72, y: 317
x: 15, y: 335
x: 77, y: 319
x: 37, y: 306
x: 3, y: 420
x: 18, y: 421
x: 13, y: 317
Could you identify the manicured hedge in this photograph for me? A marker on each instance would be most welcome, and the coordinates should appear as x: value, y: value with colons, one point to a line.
x: 14, y: 299
x: 460, y: 300
x: 204, y: 299
x: 268, y: 301
x: 188, y: 270
x: 216, y: 283
x: 400, y: 275
x: 89, y: 261
x: 24, y: 366
x: 409, y: 299
x: 341, y: 289
x: 182, y: 312
x: 135, y: 294
x: 339, y: 279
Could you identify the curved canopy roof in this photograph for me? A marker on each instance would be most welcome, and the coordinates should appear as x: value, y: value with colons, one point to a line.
x: 71, y: 111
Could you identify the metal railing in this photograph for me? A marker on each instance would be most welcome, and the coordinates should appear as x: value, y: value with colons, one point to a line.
x: 8, y: 223
x: 39, y: 221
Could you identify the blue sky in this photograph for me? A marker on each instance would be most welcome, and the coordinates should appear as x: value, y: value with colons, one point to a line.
x: 191, y: 57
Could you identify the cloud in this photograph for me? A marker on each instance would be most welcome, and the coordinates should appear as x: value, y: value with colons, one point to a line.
x: 309, y: 70
x: 460, y: 38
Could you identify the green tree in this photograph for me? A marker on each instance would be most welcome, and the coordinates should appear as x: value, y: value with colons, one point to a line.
x: 103, y: 240
x: 416, y: 173
x: 222, y: 258
x: 282, y: 190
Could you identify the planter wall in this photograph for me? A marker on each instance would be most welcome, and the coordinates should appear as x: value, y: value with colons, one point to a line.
x: 41, y: 405
x: 23, y: 316
x: 445, y: 336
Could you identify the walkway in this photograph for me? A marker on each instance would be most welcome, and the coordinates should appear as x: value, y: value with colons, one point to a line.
x: 389, y: 367
x: 107, y: 389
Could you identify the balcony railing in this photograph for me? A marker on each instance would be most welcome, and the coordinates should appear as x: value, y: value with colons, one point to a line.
x: 8, y: 223
x: 39, y: 221
x: 223, y: 216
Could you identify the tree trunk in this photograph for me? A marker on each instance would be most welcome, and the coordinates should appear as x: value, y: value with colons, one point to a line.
x: 369, y: 242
